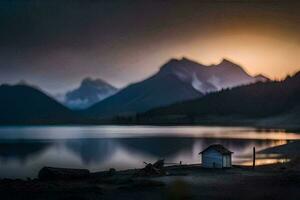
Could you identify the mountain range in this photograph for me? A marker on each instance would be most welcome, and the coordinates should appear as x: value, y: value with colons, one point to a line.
x: 88, y: 93
x: 22, y: 104
x: 264, y: 102
x: 182, y: 91
x: 210, y: 78
x: 176, y: 81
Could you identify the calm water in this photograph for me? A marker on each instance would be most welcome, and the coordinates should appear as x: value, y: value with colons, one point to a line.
x: 24, y: 150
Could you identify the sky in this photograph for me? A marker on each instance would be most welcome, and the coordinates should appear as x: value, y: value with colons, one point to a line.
x: 55, y: 44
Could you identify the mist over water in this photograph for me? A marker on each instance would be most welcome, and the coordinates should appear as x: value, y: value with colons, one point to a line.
x: 24, y: 150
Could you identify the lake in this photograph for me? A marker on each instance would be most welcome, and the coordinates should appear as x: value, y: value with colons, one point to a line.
x: 25, y: 149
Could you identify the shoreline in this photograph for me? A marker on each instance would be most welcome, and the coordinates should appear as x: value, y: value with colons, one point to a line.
x: 185, y: 181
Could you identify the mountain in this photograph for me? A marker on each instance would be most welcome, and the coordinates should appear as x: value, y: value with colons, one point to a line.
x: 263, y: 100
x: 211, y: 78
x: 22, y: 104
x: 88, y: 93
x: 176, y: 81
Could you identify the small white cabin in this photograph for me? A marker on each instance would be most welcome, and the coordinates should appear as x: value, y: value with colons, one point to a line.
x: 216, y: 156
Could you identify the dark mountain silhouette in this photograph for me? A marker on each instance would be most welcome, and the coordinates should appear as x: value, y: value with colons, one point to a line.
x: 21, y: 104
x: 259, y: 100
x: 88, y: 93
x: 176, y: 81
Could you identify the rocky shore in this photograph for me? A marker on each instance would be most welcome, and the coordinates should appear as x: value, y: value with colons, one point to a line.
x: 176, y: 182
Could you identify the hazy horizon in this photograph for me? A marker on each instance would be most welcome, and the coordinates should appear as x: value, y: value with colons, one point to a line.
x: 93, y: 78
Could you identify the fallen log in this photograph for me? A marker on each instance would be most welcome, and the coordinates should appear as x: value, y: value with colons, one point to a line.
x: 155, y: 169
x: 53, y: 173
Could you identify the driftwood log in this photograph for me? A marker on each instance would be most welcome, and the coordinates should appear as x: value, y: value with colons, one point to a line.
x: 155, y: 169
x: 52, y: 173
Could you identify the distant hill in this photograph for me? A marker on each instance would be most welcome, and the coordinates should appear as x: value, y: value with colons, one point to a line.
x: 255, y: 101
x: 21, y: 104
x: 88, y: 93
x: 176, y: 81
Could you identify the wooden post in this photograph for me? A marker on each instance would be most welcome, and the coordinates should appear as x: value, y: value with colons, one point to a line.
x: 253, y: 158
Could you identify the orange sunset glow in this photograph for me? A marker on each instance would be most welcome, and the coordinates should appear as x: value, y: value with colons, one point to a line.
x: 260, y: 52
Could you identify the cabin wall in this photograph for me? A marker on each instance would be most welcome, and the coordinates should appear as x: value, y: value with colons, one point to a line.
x: 212, y: 159
x: 226, y: 160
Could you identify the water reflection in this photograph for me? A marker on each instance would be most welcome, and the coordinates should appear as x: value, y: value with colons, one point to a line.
x: 265, y: 159
x: 24, y: 157
x: 92, y: 150
x: 21, y: 150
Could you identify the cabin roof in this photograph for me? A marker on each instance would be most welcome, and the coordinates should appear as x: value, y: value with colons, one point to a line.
x: 219, y: 148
